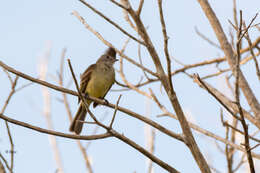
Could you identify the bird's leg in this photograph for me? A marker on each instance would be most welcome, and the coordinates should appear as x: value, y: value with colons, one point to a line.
x: 85, y: 95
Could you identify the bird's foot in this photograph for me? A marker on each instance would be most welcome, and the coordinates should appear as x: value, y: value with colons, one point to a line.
x: 85, y: 95
x: 106, y: 101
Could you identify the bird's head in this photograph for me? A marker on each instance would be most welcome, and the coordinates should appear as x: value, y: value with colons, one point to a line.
x: 109, y: 57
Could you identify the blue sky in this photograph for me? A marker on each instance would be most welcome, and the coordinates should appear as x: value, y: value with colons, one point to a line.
x: 29, y: 28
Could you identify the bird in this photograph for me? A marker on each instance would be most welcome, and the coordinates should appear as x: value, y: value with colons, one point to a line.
x: 96, y: 81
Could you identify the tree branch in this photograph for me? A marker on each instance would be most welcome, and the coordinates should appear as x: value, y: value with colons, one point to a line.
x: 51, y: 132
x: 231, y: 57
x: 111, y: 22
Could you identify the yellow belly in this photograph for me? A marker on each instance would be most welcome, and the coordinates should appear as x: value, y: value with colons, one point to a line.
x: 99, y: 84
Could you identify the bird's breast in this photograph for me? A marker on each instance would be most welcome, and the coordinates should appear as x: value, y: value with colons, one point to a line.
x: 100, y: 82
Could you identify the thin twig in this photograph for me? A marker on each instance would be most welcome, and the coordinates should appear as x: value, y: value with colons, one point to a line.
x: 123, y: 6
x: 6, y: 163
x: 43, y: 67
x: 254, y: 146
x: 206, y: 38
x: 233, y: 133
x: 190, y: 66
x: 130, y: 85
x: 140, y: 7
x: 95, y: 131
x: 111, y: 22
x: 237, y: 96
x: 242, y: 62
x: 23, y: 86
x: 199, y: 81
x: 13, y: 83
x: 126, y: 16
x: 246, y: 29
x: 230, y: 55
x: 169, y: 168
x: 141, y: 62
x: 240, y: 163
x: 253, y: 55
x: 231, y: 104
x: 152, y: 148
x: 2, y: 168
x: 165, y: 38
x: 8, y: 75
x: 67, y: 107
x: 209, y: 134
x: 239, y: 131
x: 235, y: 12
x: 114, y: 115
x: 227, y: 152
x: 51, y: 132
x: 99, y: 36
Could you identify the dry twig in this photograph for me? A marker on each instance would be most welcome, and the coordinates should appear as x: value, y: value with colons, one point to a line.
x: 13, y: 90
x: 231, y: 57
x: 110, y: 21
x: 240, y: 35
x: 67, y: 107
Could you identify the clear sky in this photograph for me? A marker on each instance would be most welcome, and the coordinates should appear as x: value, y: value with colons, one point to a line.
x: 28, y: 29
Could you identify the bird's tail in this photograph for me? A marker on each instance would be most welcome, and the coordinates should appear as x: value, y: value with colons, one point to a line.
x: 77, y: 124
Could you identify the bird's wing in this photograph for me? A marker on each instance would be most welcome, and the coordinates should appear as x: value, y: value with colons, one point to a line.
x: 85, y: 77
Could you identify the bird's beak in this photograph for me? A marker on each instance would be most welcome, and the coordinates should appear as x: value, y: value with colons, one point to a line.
x: 115, y: 60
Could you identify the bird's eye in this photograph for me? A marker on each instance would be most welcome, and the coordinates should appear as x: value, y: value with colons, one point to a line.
x: 107, y: 57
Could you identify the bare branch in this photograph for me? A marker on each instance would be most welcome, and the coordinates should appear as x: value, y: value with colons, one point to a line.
x: 51, y: 132
x: 67, y: 107
x: 75, y: 13
x: 145, y: 152
x: 212, y: 135
x: 126, y: 16
x: 235, y: 12
x: 6, y: 164
x: 111, y: 22
x: 198, y: 80
x: 140, y: 7
x: 43, y: 67
x: 165, y: 38
x: 231, y: 57
x: 141, y: 62
x: 240, y: 35
x: 206, y: 39
x: 239, y: 131
x: 230, y: 104
x: 13, y: 83
x: 9, y: 77
x: 253, y: 55
x: 114, y: 115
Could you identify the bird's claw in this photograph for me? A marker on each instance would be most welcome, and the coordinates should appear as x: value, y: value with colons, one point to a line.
x: 106, y: 101
x: 85, y: 95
